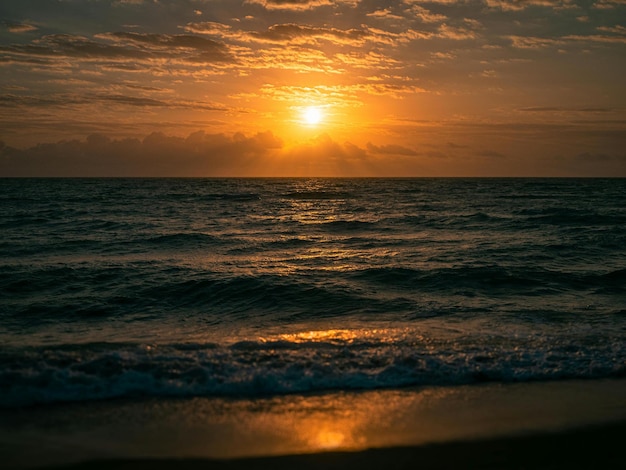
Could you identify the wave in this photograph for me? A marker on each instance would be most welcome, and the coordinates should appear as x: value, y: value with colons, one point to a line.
x: 293, y: 364
x: 243, y: 197
x: 275, y: 294
x: 492, y: 279
x: 180, y: 240
x: 349, y: 225
x: 84, y: 291
x: 569, y: 216
x: 318, y: 195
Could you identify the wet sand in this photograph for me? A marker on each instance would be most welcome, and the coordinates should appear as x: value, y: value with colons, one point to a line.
x: 567, y: 424
x: 597, y: 447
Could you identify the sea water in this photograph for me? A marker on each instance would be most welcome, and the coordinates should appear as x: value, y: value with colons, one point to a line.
x: 120, y: 288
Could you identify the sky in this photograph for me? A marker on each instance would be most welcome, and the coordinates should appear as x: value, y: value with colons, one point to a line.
x: 312, y: 88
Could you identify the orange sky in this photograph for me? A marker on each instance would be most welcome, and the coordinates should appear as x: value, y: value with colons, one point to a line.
x: 403, y: 88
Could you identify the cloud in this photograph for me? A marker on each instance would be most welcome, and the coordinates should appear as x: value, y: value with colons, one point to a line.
x: 68, y: 100
x: 385, y: 14
x: 517, y: 5
x: 530, y: 42
x: 265, y: 154
x: 156, y: 155
x: 438, y: 2
x: 456, y: 33
x: 184, y: 46
x: 613, y: 29
x: 424, y: 15
x: 609, y: 4
x: 299, y: 33
x: 208, y: 27
x: 290, y: 4
x: 19, y: 27
x: 597, y: 38
x: 338, y: 95
x: 303, y: 33
x: 199, y: 154
x: 122, y: 46
x: 617, y: 35
x: 442, y: 55
x: 559, y: 109
x: 390, y: 149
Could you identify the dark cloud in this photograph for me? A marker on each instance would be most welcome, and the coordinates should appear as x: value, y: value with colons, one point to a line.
x: 12, y: 100
x: 290, y: 32
x: 19, y: 27
x: 68, y: 45
x: 167, y: 42
x: 390, y: 149
x: 263, y: 154
x: 122, y: 46
x: 65, y: 100
x: 199, y: 154
x: 549, y: 109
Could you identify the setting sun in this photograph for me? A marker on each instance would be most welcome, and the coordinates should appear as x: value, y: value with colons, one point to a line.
x: 313, y: 88
x: 312, y: 115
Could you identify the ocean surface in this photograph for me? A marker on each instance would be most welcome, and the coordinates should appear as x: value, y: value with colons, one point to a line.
x: 130, y: 288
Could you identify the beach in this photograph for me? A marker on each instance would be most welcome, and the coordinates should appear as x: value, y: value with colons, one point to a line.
x: 589, y: 448
x: 295, y: 322
x: 569, y: 424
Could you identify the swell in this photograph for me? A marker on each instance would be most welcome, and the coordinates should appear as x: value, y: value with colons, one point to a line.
x: 76, y: 292
x: 281, y: 297
x: 493, y: 279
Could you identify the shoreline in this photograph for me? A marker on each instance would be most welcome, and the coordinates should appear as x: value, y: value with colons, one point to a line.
x: 332, y: 430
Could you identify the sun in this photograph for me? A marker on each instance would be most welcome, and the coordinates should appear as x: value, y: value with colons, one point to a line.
x: 312, y: 115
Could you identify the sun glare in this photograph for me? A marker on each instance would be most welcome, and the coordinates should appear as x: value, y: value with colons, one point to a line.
x: 312, y: 115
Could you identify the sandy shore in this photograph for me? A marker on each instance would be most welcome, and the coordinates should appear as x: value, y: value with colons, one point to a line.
x: 597, y: 447
x: 568, y: 424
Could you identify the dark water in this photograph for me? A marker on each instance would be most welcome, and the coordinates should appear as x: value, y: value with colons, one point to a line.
x: 231, y: 287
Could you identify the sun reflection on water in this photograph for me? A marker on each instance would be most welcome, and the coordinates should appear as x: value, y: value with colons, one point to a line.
x: 381, y: 335
x: 321, y: 335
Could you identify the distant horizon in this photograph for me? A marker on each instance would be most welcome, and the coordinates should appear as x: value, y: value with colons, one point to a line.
x: 315, y: 177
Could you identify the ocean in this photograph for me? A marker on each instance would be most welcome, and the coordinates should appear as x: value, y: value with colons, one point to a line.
x: 150, y: 288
